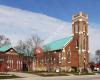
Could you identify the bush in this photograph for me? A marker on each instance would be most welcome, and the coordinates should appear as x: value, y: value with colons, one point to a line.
x: 84, y: 71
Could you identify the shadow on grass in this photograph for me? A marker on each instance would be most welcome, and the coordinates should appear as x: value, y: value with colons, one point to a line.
x: 52, y: 74
x: 8, y: 76
x: 47, y: 74
x: 84, y: 74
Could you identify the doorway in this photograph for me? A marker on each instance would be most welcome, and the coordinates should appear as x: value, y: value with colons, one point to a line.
x: 25, y: 67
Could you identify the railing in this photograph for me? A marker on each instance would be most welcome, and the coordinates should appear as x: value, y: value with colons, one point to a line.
x: 80, y: 14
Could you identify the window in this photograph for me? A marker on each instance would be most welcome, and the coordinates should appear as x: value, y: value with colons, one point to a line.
x: 11, y: 50
x: 54, y: 59
x: 41, y: 61
x: 69, y: 56
x: 84, y: 28
x: 85, y: 43
x: 63, y: 55
x: 77, y: 43
x: 59, y: 57
x: 76, y: 28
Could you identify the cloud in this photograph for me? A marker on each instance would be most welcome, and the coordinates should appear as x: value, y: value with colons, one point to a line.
x: 94, y: 38
x: 20, y: 24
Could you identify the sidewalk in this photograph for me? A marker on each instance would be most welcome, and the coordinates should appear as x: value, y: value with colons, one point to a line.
x: 27, y: 76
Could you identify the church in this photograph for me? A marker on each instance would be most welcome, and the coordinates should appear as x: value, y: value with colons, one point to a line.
x: 68, y: 53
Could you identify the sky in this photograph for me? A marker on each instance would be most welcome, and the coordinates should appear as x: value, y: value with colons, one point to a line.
x: 50, y: 19
x: 61, y: 9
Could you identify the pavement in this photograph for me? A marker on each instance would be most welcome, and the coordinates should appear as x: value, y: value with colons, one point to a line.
x: 27, y: 76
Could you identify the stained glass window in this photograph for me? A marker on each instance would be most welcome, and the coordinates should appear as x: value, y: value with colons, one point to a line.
x: 69, y: 56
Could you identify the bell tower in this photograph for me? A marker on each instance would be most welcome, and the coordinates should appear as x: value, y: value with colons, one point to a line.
x: 80, y: 32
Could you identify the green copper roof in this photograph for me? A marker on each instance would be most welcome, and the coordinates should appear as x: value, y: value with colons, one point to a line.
x: 5, y: 47
x: 59, y: 44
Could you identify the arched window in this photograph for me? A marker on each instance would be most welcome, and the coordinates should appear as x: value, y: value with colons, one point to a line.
x: 69, y: 56
x: 84, y: 43
x: 76, y: 28
x: 84, y: 28
x: 77, y: 43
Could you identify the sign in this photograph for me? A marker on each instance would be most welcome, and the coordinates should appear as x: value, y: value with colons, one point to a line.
x: 57, y: 70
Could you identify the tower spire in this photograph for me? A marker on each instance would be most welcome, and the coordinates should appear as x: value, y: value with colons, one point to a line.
x: 80, y: 31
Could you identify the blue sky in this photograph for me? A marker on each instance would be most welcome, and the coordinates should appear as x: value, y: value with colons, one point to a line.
x: 61, y: 9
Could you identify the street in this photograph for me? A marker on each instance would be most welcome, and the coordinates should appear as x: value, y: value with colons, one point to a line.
x: 27, y: 76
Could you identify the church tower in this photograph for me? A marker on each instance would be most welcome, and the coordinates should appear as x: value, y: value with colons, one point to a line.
x: 80, y: 32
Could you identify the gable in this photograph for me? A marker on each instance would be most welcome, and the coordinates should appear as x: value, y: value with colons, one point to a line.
x: 11, y: 51
x: 7, y: 49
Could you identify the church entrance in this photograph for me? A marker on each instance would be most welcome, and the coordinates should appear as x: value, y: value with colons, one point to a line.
x: 25, y: 67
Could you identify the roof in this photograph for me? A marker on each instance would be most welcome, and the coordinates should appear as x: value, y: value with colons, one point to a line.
x: 5, y: 47
x: 58, y: 44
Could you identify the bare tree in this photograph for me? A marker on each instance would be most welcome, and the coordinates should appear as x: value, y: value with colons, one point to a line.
x: 36, y: 40
x: 20, y: 46
x: 48, y: 58
x: 98, y: 55
x: 28, y: 45
x: 24, y: 47
x: 4, y: 40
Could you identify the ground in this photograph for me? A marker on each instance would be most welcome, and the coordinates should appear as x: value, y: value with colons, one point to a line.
x: 28, y: 76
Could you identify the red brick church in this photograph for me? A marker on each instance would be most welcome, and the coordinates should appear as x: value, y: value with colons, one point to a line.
x: 69, y: 52
x: 66, y: 54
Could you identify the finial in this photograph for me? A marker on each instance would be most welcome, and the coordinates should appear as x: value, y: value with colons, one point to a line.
x: 80, y: 13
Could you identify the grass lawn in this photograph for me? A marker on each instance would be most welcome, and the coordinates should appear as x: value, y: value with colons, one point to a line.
x: 8, y: 76
x: 47, y: 74
x: 84, y: 74
x: 52, y: 74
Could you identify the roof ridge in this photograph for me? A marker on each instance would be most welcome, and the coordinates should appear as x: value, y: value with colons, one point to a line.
x: 58, y: 44
x: 59, y: 39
